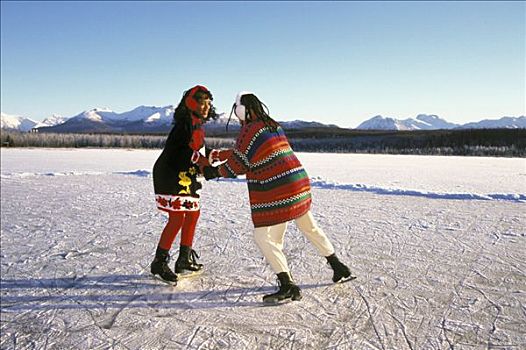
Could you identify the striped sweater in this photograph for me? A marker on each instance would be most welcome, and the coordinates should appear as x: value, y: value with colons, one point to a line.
x: 278, y: 186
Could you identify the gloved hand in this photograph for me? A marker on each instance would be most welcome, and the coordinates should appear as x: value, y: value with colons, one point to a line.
x: 210, y: 172
x: 199, y: 160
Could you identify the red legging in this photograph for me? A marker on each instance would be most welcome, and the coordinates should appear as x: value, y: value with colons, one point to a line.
x: 187, y: 220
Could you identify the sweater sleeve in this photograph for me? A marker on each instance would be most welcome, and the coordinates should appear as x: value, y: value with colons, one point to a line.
x: 238, y: 163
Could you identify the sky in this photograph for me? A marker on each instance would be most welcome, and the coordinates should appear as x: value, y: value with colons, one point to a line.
x: 334, y: 62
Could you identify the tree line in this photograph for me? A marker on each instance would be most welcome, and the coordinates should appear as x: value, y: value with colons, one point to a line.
x: 461, y: 142
x: 464, y: 142
x: 56, y: 140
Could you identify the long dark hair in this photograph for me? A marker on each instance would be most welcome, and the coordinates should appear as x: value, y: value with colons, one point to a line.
x: 182, y: 114
x: 260, y: 111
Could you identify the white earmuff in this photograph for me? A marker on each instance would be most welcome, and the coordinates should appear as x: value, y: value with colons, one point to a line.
x: 241, y: 110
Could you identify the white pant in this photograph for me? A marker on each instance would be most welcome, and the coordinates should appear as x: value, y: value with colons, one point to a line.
x: 270, y: 241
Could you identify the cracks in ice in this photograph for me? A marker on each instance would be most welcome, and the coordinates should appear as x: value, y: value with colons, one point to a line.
x: 371, y: 318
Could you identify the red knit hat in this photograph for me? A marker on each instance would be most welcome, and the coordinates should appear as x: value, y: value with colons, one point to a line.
x: 190, y: 101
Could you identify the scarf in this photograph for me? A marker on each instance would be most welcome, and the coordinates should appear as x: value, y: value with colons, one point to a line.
x: 197, y: 139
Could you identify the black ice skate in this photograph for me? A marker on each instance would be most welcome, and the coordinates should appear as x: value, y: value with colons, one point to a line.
x: 160, y: 268
x: 186, y: 264
x: 287, y: 290
x: 341, y: 271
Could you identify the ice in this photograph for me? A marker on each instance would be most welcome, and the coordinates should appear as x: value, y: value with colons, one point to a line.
x: 437, y: 244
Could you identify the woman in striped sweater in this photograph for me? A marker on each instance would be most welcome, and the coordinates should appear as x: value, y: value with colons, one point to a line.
x: 279, y: 191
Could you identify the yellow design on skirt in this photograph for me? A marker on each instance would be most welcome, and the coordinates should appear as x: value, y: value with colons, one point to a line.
x: 185, y: 182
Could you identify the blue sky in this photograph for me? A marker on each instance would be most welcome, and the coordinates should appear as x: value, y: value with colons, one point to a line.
x: 334, y: 62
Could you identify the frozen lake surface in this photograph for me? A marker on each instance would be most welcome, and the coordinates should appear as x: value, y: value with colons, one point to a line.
x: 437, y: 244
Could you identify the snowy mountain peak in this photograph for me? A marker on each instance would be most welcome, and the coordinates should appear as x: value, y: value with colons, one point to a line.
x: 93, y: 115
x: 144, y: 108
x: 421, y: 122
x: 302, y: 124
x: 159, y: 119
x: 14, y: 122
x: 435, y: 122
x: 55, y: 119
x: 146, y: 114
x: 504, y: 122
x: 383, y: 123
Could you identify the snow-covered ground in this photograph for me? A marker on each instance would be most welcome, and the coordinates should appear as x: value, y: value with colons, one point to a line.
x: 437, y: 244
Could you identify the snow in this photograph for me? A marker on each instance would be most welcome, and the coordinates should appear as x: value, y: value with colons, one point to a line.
x: 504, y: 122
x: 153, y: 118
x: 433, y: 122
x: 439, y: 257
x: 55, y: 119
x: 148, y: 114
x: 164, y: 115
x: 94, y: 115
x: 301, y: 124
x: 422, y: 122
x: 14, y: 122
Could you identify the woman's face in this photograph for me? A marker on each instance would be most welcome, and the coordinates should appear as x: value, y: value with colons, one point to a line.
x: 203, y: 107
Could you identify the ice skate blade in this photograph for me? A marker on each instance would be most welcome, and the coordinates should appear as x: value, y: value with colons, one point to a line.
x: 275, y: 302
x: 170, y: 283
x: 346, y: 279
x: 189, y: 274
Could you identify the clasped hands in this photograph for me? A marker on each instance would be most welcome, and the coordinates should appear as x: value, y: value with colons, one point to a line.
x: 208, y: 165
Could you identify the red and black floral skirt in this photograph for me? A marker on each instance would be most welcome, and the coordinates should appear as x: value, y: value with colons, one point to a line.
x: 168, y: 202
x: 181, y: 194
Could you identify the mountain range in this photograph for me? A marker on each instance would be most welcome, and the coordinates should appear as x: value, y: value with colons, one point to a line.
x: 150, y: 119
x: 11, y: 122
x: 421, y: 122
x: 434, y: 122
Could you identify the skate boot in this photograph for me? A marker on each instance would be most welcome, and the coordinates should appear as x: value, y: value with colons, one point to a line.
x: 287, y: 290
x: 187, y: 262
x: 341, y: 271
x: 160, y: 267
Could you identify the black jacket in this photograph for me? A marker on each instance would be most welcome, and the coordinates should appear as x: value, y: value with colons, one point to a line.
x: 173, y: 172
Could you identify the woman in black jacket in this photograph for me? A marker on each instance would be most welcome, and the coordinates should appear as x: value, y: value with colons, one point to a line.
x: 176, y: 184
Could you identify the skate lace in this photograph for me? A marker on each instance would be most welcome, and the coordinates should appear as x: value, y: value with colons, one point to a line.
x: 194, y: 256
x: 166, y: 269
